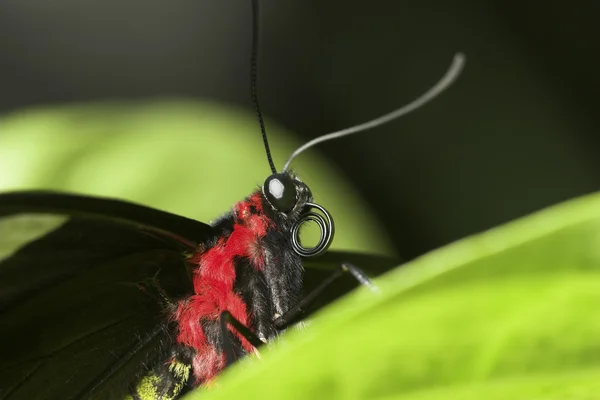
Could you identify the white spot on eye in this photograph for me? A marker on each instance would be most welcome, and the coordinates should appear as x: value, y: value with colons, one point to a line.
x: 276, y: 188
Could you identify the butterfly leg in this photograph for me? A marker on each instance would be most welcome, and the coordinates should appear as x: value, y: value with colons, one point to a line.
x: 228, y: 345
x: 295, y: 312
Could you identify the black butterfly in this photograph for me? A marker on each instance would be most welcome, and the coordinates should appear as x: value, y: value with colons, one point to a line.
x: 84, y: 308
x: 113, y: 299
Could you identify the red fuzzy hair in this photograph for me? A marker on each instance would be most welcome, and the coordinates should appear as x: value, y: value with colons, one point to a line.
x: 214, y: 279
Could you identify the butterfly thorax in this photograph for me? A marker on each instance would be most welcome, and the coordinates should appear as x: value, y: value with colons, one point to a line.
x: 248, y: 269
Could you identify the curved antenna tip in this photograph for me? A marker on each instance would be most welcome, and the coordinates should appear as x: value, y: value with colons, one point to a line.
x: 458, y: 64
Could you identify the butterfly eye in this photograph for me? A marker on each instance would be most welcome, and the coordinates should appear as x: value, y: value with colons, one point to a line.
x: 280, y: 191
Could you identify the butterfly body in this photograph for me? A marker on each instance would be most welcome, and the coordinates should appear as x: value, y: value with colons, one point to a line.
x: 248, y: 269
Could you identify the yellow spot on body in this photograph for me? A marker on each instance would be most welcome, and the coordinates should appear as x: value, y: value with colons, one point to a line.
x: 147, y: 388
x: 180, y: 371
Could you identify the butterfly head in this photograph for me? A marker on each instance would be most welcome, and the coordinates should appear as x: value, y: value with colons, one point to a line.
x: 286, y: 194
x: 290, y: 203
x: 289, y: 199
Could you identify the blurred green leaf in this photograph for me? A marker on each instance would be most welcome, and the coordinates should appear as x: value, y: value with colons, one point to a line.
x: 511, y: 313
x: 191, y: 158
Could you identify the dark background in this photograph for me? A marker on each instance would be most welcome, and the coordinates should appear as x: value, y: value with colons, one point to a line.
x: 515, y: 134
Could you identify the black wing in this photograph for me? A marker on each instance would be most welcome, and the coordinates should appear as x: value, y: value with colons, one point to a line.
x: 82, y: 307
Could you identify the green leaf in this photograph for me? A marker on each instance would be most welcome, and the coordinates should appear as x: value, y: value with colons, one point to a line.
x: 195, y: 159
x: 511, y: 313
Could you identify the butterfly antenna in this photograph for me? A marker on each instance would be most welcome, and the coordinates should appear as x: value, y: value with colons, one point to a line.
x: 453, y: 72
x: 253, y: 80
